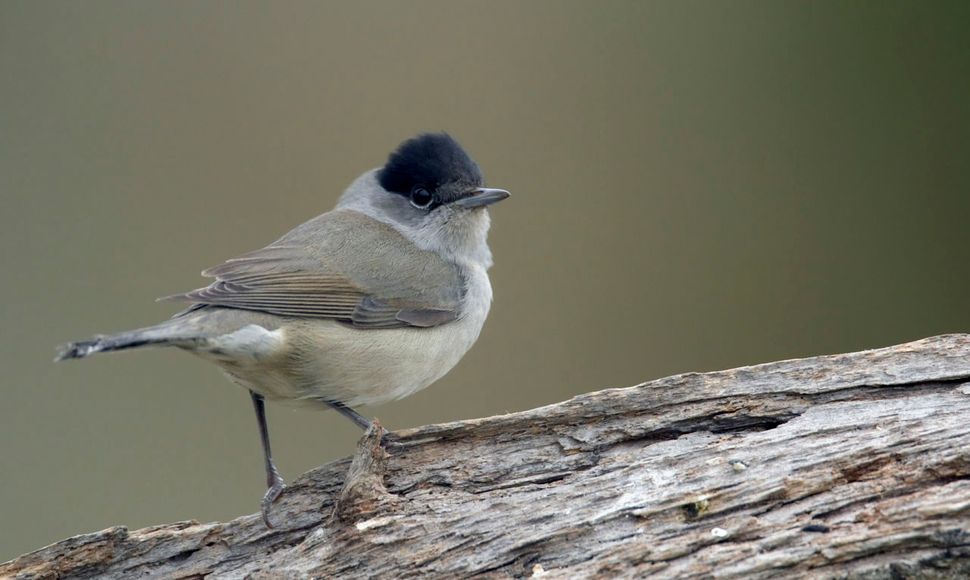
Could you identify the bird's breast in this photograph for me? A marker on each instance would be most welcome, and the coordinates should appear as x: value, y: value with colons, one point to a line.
x: 333, y: 361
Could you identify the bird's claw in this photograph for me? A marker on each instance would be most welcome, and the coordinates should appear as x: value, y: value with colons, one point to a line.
x: 272, y: 494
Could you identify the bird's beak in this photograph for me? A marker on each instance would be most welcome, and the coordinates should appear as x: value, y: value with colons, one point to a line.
x: 482, y: 196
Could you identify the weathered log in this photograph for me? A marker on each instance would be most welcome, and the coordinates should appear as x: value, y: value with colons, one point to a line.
x: 854, y: 465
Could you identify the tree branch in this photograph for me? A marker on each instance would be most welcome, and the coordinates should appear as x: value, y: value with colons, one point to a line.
x: 852, y: 465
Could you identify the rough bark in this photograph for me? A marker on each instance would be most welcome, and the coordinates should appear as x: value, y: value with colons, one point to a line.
x: 854, y: 465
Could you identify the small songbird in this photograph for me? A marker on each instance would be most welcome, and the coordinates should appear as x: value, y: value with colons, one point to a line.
x: 365, y: 304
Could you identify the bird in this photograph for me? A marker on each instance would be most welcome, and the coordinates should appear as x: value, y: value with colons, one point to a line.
x: 367, y: 303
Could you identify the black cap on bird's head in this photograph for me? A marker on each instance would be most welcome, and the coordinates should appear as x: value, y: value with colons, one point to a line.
x: 433, y: 169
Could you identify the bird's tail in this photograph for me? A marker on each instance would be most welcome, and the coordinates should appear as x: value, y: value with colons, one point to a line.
x: 166, y: 333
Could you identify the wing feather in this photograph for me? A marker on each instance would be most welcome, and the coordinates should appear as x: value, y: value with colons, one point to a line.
x: 315, y: 271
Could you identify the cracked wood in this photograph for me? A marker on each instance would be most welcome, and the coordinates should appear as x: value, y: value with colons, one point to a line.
x: 854, y: 465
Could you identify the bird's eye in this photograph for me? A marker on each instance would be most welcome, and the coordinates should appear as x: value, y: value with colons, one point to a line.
x: 421, y: 198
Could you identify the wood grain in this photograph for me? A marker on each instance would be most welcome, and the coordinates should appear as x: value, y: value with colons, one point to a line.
x: 854, y: 465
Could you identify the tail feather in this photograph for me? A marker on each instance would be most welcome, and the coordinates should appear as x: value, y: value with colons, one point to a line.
x: 189, y: 329
x: 165, y: 333
x: 83, y: 348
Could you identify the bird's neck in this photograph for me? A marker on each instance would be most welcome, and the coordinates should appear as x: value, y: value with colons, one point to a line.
x: 463, y: 241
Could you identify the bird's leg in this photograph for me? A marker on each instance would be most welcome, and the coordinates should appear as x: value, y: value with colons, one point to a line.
x: 357, y: 418
x: 274, y: 481
x: 387, y: 441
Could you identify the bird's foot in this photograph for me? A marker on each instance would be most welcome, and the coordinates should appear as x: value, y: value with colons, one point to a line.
x: 276, y: 487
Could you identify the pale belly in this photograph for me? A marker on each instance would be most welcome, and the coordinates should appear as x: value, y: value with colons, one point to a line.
x: 369, y: 367
x: 309, y: 361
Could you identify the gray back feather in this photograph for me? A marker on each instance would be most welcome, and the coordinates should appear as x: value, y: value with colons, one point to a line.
x: 341, y: 265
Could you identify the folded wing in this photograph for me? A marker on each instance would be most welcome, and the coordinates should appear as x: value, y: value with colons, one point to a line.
x: 344, y: 266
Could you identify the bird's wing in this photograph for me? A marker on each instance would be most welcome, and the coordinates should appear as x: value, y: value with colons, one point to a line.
x: 341, y: 265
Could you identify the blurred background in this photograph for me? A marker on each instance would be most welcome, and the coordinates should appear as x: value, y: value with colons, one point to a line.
x: 697, y: 186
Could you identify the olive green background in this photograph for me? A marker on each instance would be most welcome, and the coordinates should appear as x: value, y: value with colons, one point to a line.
x: 696, y: 185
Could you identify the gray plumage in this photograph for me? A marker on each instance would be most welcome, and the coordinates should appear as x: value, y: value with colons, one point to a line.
x: 364, y: 304
x: 341, y: 265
